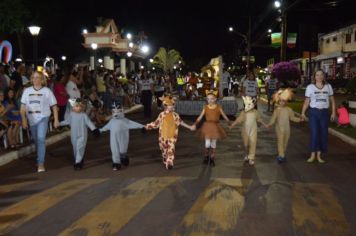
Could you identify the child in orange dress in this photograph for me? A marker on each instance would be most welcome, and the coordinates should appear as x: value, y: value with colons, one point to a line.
x: 211, y: 130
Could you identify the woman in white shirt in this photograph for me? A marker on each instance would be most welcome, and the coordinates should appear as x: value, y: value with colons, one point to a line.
x: 318, y: 97
x: 36, y: 104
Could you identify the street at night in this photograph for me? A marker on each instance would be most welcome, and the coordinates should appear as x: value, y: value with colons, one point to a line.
x: 160, y: 118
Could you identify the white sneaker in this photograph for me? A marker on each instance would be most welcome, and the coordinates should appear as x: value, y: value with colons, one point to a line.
x: 41, y: 168
x: 246, y: 158
x: 251, y: 162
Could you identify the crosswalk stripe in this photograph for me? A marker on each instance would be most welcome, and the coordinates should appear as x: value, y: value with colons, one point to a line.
x: 11, y: 187
x: 316, y: 211
x: 21, y: 212
x: 113, y: 213
x: 217, y: 208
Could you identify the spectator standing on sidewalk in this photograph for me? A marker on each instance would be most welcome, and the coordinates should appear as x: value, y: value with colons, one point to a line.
x: 318, y: 96
x: 36, y: 104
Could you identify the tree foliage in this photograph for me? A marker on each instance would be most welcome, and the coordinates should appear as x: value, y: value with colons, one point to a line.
x: 13, y: 14
x: 166, y: 59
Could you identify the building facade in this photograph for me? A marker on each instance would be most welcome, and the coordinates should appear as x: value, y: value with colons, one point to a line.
x: 338, y: 53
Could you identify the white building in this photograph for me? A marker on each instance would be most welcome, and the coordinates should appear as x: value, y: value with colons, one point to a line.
x: 338, y: 52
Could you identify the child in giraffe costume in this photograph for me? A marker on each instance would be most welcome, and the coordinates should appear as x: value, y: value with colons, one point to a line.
x: 211, y: 130
x: 281, y: 117
x: 168, y: 122
x: 249, y: 118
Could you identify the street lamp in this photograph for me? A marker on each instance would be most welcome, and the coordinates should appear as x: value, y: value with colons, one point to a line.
x: 63, y: 58
x: 277, y: 4
x: 129, y: 36
x: 145, y: 49
x: 100, y: 60
x: 85, y: 31
x: 283, y: 19
x: 94, y: 46
x: 129, y: 54
x: 247, y: 38
x: 151, y: 60
x: 34, y: 30
x: 131, y: 44
x: 269, y: 31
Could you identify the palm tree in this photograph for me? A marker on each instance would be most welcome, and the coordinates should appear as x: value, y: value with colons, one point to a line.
x: 166, y: 60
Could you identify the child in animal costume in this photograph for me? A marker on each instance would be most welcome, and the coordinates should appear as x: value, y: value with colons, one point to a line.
x: 168, y: 122
x: 249, y: 118
x: 119, y: 127
x: 281, y: 117
x: 211, y: 130
x: 78, y: 121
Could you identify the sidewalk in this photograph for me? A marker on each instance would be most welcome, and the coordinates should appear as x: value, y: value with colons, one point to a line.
x: 28, y: 149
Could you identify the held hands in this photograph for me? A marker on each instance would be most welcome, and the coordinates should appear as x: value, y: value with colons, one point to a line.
x: 56, y: 124
x: 193, y: 127
x: 303, y: 117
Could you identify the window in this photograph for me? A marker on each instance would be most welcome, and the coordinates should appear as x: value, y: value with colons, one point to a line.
x: 348, y: 38
x: 328, y: 41
x: 334, y: 38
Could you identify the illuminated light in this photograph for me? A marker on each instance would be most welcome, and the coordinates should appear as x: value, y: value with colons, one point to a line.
x: 34, y: 30
x: 131, y: 44
x: 145, y: 49
x: 129, y: 54
x: 94, y: 46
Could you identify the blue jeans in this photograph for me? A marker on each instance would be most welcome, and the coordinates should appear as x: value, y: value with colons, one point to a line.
x: 38, y: 133
x: 318, y: 123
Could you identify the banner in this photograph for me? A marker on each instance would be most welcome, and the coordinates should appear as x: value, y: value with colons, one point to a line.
x: 276, y: 39
x: 291, y: 40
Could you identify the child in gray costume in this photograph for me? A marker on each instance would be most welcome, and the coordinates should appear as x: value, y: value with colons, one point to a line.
x: 119, y: 127
x: 78, y: 121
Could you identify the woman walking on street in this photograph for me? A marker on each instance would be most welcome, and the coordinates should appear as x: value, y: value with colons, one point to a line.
x: 36, y: 104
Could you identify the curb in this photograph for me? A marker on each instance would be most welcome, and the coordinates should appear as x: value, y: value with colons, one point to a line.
x: 28, y: 149
x: 332, y: 131
x: 24, y: 151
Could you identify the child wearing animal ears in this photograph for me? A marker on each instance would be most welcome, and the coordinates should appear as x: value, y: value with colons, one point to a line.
x: 249, y: 118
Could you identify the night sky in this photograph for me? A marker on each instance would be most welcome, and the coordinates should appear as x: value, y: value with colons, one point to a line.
x: 198, y: 29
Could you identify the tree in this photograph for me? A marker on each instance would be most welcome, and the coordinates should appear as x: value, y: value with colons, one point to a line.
x: 13, y: 14
x: 286, y: 72
x: 166, y: 60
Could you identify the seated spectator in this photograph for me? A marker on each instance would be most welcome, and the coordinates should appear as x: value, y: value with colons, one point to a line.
x: 343, y: 115
x: 13, y: 115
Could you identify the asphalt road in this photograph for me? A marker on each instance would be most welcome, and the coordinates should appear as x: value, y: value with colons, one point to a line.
x: 295, y: 198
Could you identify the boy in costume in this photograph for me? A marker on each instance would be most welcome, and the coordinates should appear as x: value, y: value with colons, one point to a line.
x: 78, y: 121
x: 168, y: 122
x: 281, y: 117
x: 119, y: 127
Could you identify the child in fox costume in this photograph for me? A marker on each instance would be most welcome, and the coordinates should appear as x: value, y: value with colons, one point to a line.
x: 281, y: 117
x: 249, y: 118
x: 168, y: 122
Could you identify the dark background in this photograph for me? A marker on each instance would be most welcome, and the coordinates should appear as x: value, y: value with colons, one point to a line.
x: 197, y: 29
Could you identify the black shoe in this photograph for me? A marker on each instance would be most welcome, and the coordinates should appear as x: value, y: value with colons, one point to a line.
x: 211, y: 162
x: 170, y: 167
x: 206, y: 160
x: 76, y: 166
x: 81, y: 164
x: 116, y: 166
x: 125, y: 161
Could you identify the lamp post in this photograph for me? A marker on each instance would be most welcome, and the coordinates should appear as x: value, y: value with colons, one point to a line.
x: 34, y: 30
x: 247, y: 38
x: 94, y: 46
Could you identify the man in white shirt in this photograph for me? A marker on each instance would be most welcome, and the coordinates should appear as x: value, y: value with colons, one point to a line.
x: 250, y: 87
